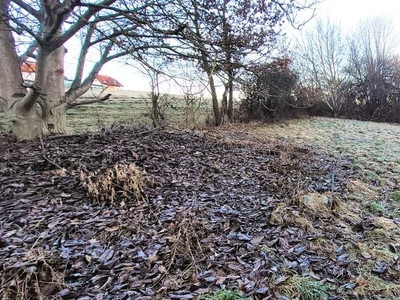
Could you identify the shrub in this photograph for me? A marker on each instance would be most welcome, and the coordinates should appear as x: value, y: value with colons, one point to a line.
x: 269, y: 93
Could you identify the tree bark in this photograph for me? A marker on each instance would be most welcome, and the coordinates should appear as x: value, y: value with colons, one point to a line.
x: 155, y: 114
x: 230, y: 95
x: 43, y: 110
x: 10, y: 74
x: 54, y: 112
x: 214, y: 98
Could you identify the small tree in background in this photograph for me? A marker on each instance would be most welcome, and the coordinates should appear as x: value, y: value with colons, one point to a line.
x: 222, y: 35
x: 321, y: 60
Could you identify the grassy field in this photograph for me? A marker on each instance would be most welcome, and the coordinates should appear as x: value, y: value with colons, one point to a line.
x: 373, y: 148
x: 129, y: 107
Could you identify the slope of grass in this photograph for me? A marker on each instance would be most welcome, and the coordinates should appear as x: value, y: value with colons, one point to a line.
x: 373, y: 148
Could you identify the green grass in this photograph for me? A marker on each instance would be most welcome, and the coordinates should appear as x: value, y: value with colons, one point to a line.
x: 305, y: 288
x: 222, y: 295
x: 136, y: 112
x: 395, y: 196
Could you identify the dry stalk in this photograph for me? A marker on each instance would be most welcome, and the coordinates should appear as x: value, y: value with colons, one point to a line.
x: 186, y: 245
x: 33, y: 277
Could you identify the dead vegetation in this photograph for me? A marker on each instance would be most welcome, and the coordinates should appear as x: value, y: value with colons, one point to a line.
x: 38, y: 274
x: 121, y: 182
x: 179, y: 215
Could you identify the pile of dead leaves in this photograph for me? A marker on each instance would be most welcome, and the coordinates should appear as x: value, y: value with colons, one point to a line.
x: 220, y: 211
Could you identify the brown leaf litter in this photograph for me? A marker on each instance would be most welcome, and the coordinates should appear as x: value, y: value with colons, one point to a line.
x: 134, y: 214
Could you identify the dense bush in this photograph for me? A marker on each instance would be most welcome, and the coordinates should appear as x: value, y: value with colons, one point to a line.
x: 269, y: 93
x: 379, y: 102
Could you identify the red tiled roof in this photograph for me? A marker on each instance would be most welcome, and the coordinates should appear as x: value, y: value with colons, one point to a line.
x: 109, y: 81
x: 28, y: 67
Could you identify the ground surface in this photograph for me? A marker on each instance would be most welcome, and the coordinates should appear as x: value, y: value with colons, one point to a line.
x: 268, y: 211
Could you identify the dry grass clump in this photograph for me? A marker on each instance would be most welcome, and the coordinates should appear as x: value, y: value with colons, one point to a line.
x: 117, y: 184
x: 369, y: 284
x: 187, y: 233
x: 286, y: 215
x: 35, y: 276
x: 363, y: 190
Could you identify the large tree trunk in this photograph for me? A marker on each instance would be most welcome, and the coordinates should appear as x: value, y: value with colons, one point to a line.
x: 11, y: 89
x: 54, y: 114
x: 42, y: 111
x: 10, y: 74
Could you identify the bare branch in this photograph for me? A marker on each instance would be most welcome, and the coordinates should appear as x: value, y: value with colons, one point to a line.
x: 29, y: 9
x: 83, y: 21
x: 96, y: 100
x: 29, y: 52
x: 28, y: 30
x: 129, y: 14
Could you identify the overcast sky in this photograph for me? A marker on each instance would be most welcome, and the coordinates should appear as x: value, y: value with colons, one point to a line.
x: 350, y: 12
x: 346, y: 12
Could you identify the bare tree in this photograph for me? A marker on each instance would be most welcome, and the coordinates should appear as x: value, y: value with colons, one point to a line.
x: 115, y: 27
x: 154, y: 68
x: 372, y: 62
x: 321, y: 61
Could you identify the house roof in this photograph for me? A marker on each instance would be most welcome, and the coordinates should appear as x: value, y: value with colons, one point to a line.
x: 109, y: 81
x: 28, y: 67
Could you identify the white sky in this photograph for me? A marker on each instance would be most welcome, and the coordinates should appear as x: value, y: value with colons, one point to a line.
x: 350, y: 12
x: 346, y: 12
